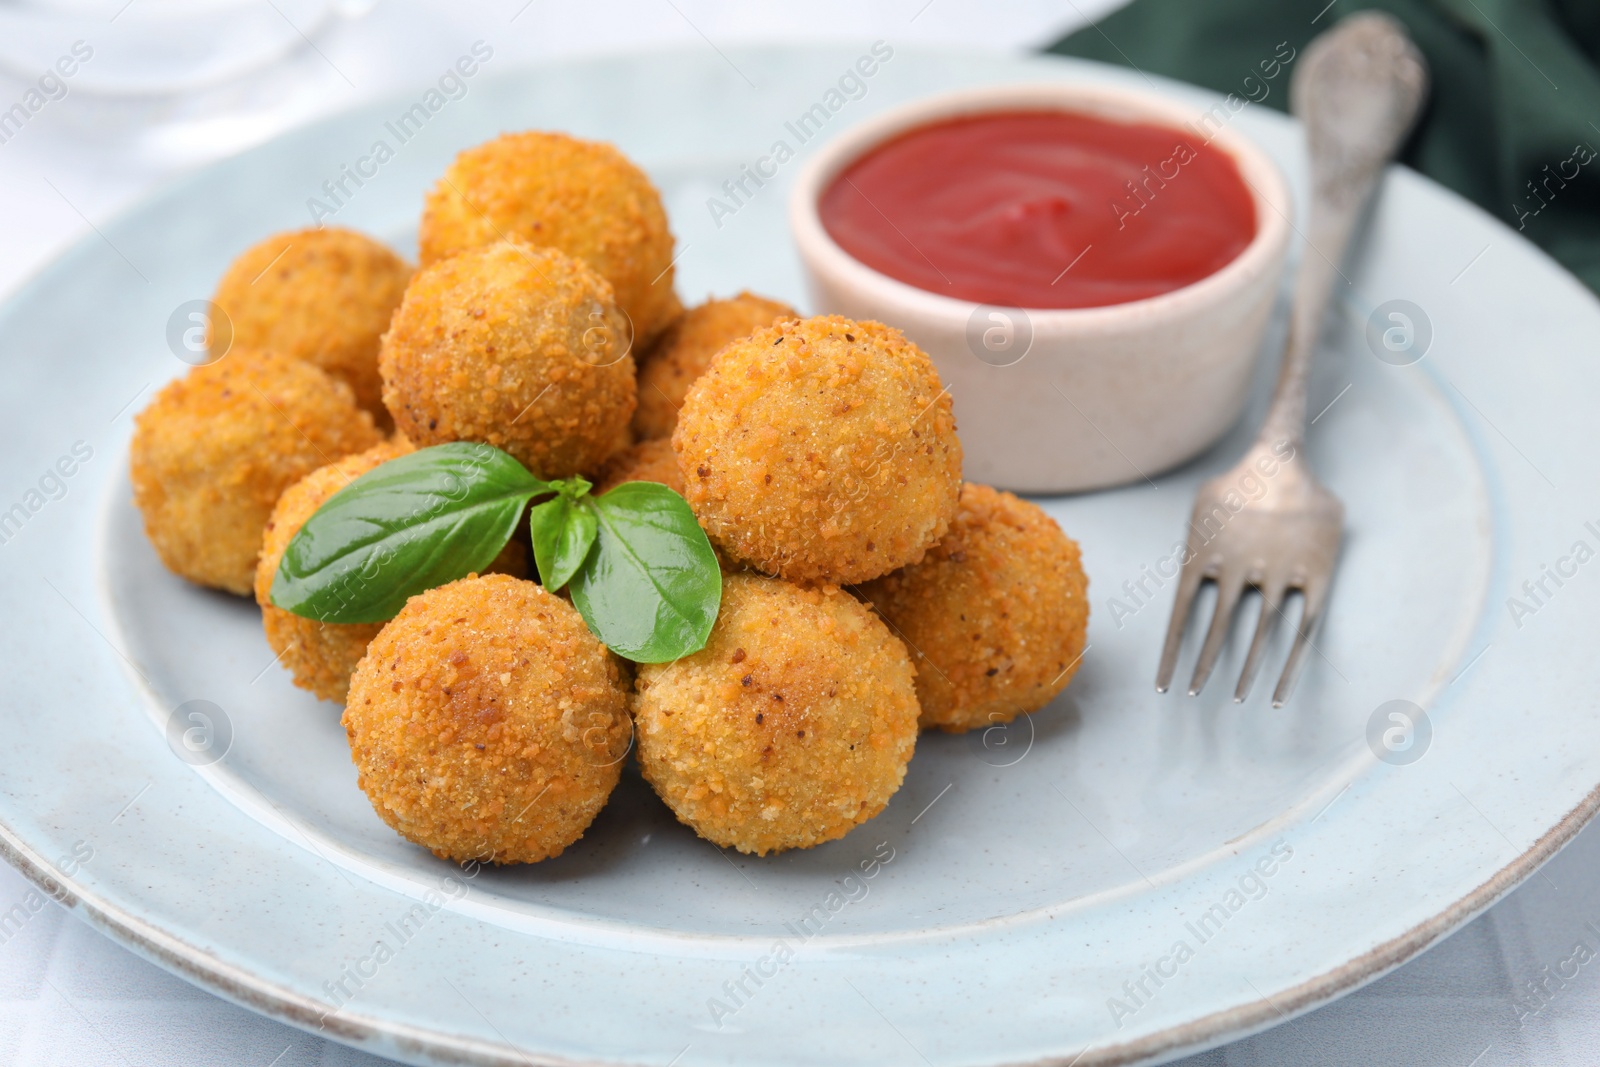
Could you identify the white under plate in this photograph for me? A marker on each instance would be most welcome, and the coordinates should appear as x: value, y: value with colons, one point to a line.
x: 1029, y: 890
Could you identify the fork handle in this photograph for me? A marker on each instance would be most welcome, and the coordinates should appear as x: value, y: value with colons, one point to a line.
x: 1357, y: 90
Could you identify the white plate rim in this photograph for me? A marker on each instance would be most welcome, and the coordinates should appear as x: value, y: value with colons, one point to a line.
x: 238, y: 985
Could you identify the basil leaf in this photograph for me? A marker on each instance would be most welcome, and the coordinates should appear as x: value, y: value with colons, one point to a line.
x: 409, y: 525
x: 651, y: 587
x: 563, y: 530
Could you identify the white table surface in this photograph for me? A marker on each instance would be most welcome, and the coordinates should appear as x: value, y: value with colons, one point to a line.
x: 1492, y: 994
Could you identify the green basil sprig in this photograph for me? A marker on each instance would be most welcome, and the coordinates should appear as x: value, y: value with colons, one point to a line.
x: 643, y: 575
x: 563, y: 532
x: 652, y: 576
x: 408, y: 525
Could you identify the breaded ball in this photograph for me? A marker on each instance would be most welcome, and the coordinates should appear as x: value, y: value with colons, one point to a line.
x: 684, y: 352
x: 995, y: 615
x: 518, y: 347
x: 549, y: 189
x: 487, y: 723
x: 216, y: 448
x: 320, y: 655
x: 793, y: 725
x: 821, y: 449
x: 647, y: 461
x: 323, y: 655
x: 324, y: 296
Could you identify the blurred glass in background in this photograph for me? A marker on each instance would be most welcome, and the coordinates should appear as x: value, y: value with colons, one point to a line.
x: 178, y: 81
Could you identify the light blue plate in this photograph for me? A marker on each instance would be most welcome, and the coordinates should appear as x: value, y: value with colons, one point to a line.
x: 1122, y: 877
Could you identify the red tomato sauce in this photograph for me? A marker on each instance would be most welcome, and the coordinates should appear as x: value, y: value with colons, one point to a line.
x: 1042, y: 209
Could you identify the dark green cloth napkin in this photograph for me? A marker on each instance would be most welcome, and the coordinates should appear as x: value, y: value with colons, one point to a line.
x: 1513, y: 121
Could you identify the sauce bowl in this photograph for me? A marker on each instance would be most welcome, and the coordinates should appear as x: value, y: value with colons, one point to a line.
x: 1068, y: 399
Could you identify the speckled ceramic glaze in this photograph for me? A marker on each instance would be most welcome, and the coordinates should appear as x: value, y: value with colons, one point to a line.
x: 1117, y: 879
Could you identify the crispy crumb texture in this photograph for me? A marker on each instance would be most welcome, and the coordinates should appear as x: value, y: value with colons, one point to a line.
x: 214, y: 450
x: 321, y: 295
x: 647, y: 461
x: 322, y: 655
x: 821, y: 449
x: 583, y: 197
x: 995, y: 616
x: 517, y: 347
x: 685, y: 350
x: 792, y: 726
x: 486, y: 722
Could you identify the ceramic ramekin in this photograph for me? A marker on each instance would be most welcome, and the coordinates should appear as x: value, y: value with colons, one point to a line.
x: 1060, y: 400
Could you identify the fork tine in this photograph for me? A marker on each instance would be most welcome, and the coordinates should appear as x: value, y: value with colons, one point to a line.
x: 1315, y: 595
x: 1229, y: 587
x: 1271, y: 603
x: 1188, y: 584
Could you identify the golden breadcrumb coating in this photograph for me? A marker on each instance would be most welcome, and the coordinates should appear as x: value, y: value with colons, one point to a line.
x: 647, y: 461
x: 324, y: 296
x: 518, y: 347
x: 793, y: 725
x: 684, y: 352
x: 996, y: 615
x: 550, y: 189
x: 320, y: 655
x: 821, y: 449
x: 487, y: 723
x: 216, y: 448
x: 323, y: 655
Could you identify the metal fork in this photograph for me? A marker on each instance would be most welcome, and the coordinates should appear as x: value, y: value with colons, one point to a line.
x: 1357, y: 90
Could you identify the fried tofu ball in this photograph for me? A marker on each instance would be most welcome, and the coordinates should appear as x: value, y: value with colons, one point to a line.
x: 323, y: 655
x: 549, y: 189
x: 995, y: 615
x: 487, y: 723
x: 216, y: 448
x: 821, y: 449
x: 321, y: 295
x: 684, y: 352
x: 647, y: 461
x: 518, y: 347
x: 793, y: 725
